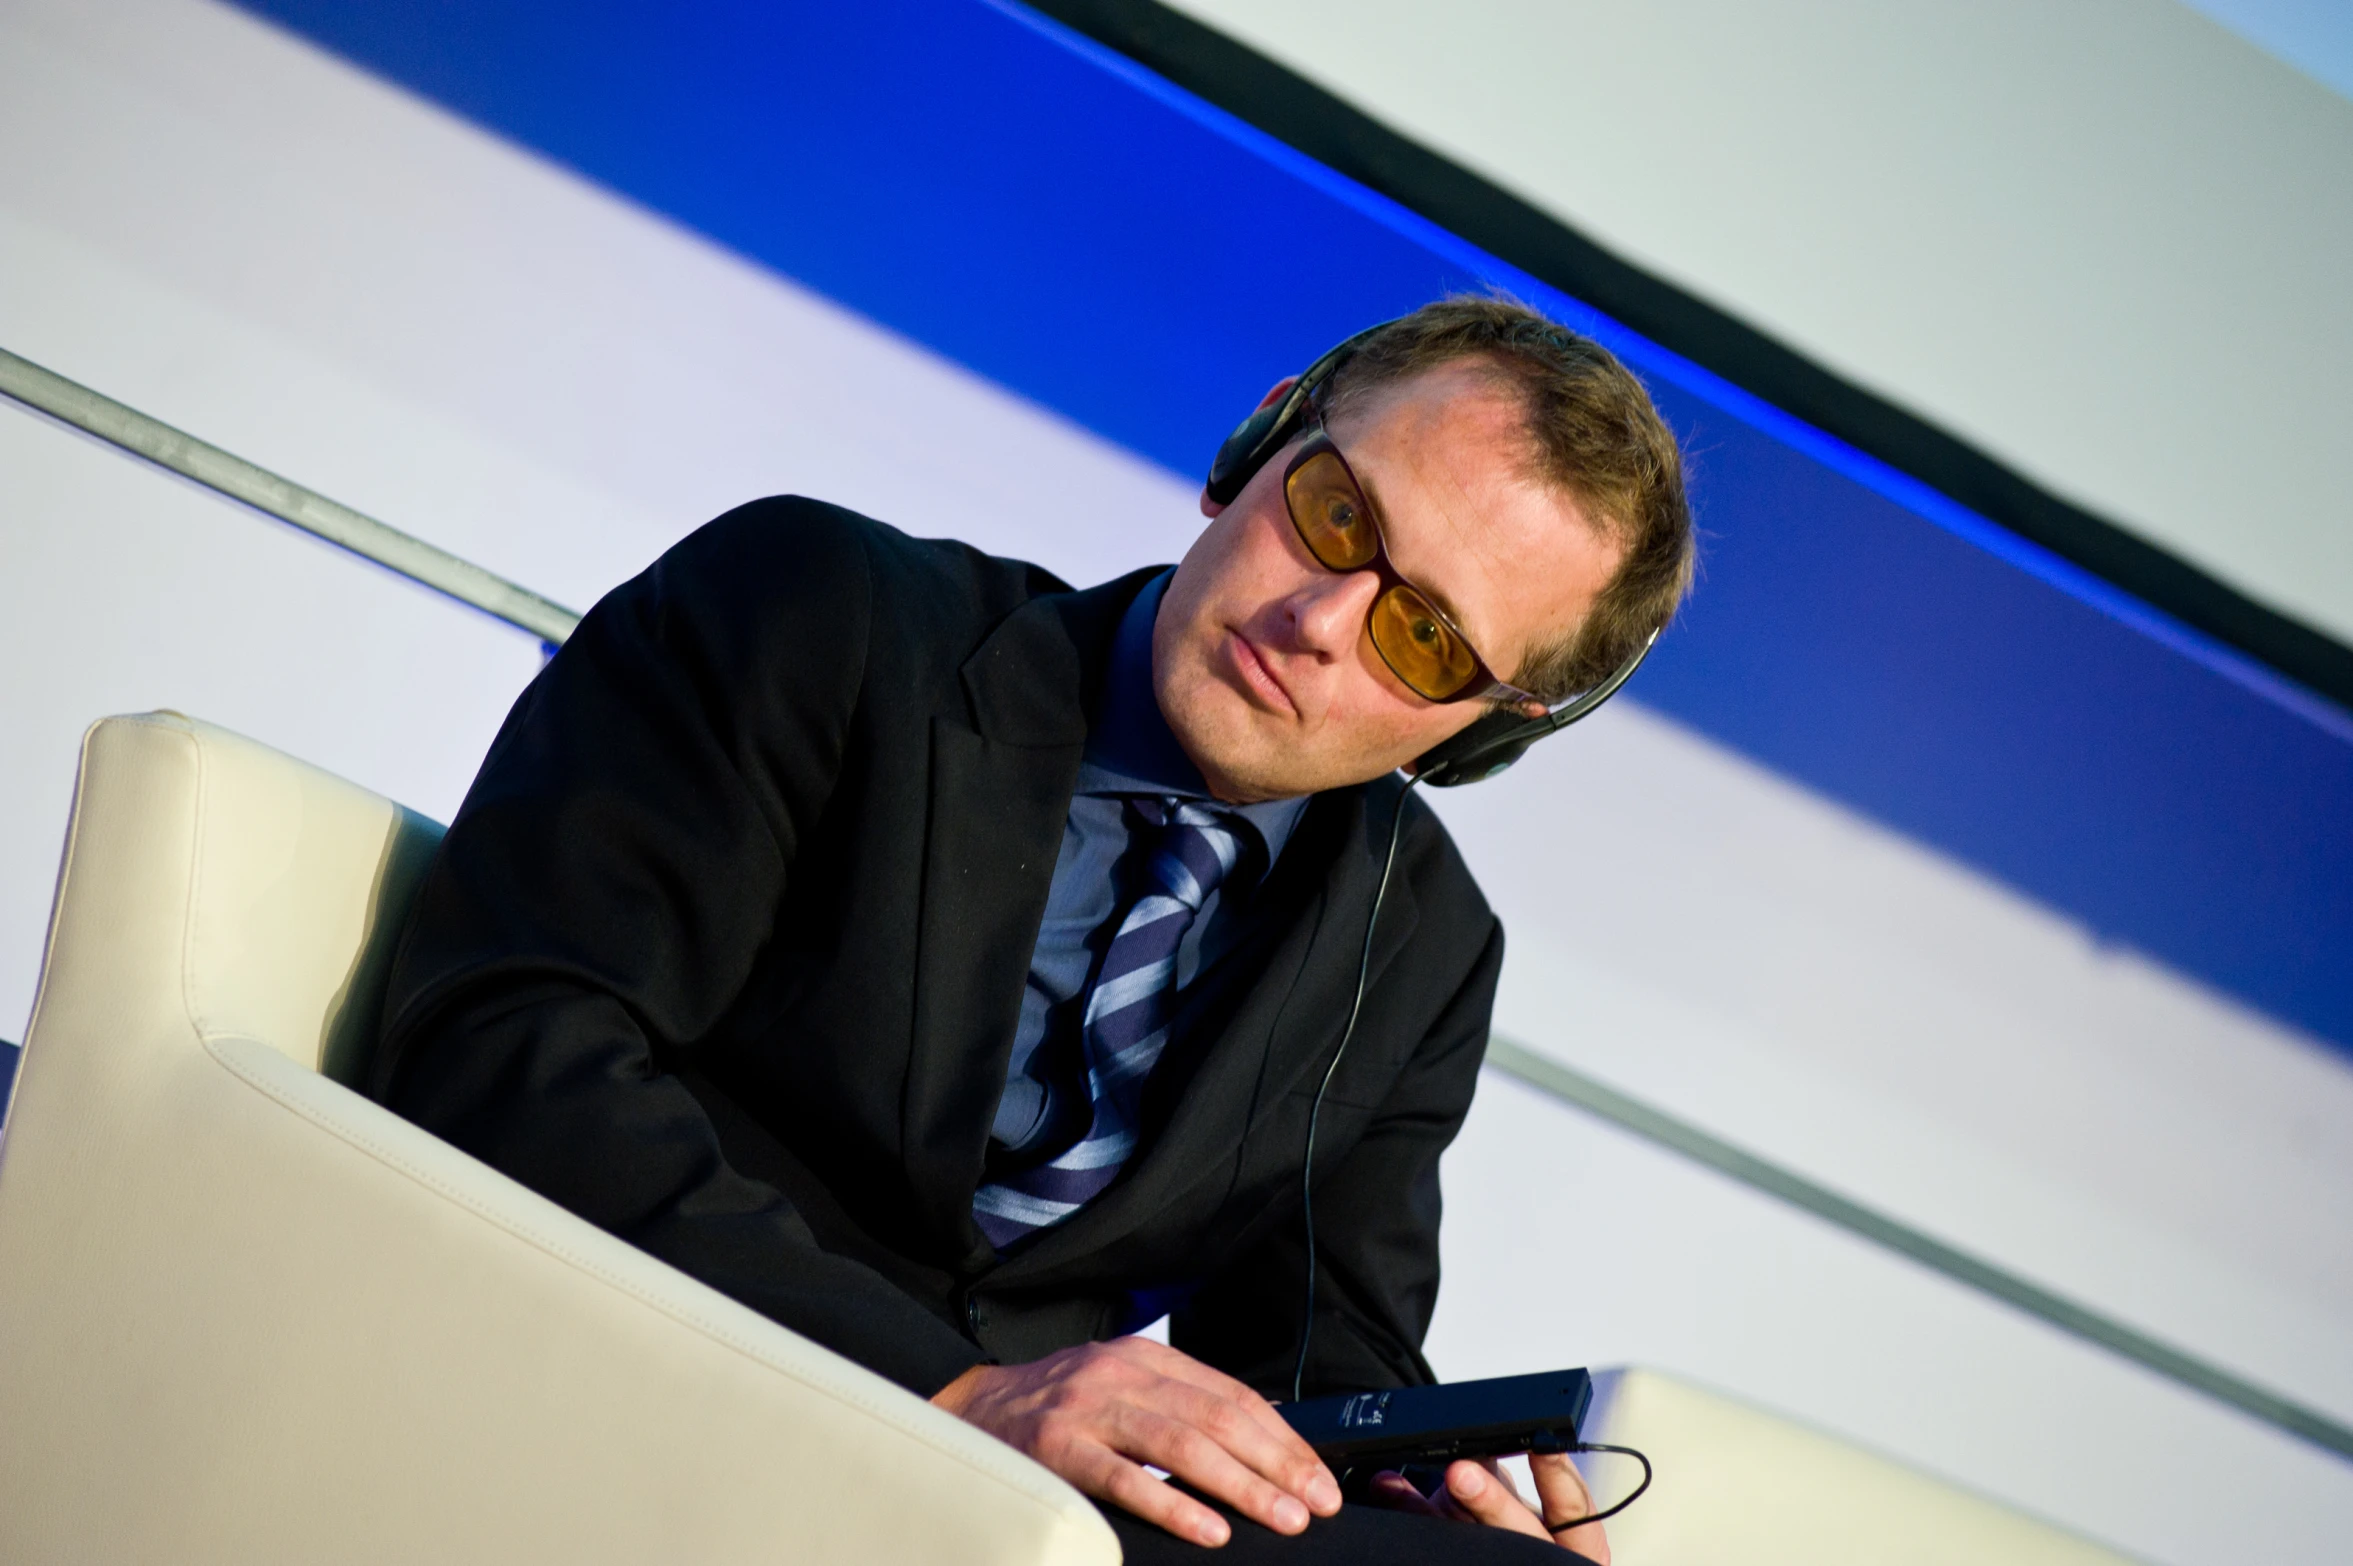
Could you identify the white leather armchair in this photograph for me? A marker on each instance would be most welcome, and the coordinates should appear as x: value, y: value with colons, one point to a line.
x: 1738, y: 1486
x: 247, y: 1316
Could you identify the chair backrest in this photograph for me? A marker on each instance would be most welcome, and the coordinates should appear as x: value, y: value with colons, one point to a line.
x: 296, y: 885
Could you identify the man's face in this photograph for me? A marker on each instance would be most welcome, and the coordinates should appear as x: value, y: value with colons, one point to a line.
x: 1260, y: 656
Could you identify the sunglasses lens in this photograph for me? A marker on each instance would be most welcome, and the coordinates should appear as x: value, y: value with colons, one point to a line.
x: 1418, y: 646
x: 1330, y: 513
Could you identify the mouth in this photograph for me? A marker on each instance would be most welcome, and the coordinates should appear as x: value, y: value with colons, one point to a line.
x: 1258, y: 676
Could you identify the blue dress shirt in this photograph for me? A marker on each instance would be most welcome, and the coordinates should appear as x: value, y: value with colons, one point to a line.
x: 1130, y: 754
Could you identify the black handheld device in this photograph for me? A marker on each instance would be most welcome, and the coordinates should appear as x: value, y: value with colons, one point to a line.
x: 1369, y: 1432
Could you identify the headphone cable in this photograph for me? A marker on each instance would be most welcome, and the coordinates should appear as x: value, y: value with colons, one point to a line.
x: 1364, y: 965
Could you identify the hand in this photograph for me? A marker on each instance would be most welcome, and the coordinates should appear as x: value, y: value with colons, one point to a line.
x: 1097, y: 1413
x: 1479, y: 1493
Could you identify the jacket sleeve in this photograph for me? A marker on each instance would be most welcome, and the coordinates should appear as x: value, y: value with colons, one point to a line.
x: 604, y: 892
x: 1377, y: 1208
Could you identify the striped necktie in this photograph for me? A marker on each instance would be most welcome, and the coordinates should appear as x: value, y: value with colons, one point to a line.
x: 1126, y: 1020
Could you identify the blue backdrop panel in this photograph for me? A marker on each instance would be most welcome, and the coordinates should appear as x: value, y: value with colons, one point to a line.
x: 1080, y: 232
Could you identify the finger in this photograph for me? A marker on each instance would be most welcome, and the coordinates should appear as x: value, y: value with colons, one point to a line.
x: 1232, y: 1426
x: 1588, y: 1541
x: 1564, y: 1494
x: 1487, y: 1499
x: 1107, y: 1476
x: 1185, y: 1450
x: 1502, y: 1476
x: 1297, y: 1469
x: 1395, y: 1492
x: 1560, y: 1485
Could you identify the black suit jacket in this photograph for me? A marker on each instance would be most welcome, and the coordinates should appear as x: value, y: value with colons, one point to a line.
x: 725, y: 948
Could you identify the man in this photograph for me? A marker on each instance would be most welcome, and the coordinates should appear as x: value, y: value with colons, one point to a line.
x: 949, y: 965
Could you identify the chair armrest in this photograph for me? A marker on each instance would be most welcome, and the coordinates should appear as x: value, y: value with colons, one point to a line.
x: 1736, y: 1483
x: 253, y: 1316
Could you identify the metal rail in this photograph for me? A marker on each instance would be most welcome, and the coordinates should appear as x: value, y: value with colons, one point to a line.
x: 157, y: 442
x: 154, y: 441
x: 1573, y: 1087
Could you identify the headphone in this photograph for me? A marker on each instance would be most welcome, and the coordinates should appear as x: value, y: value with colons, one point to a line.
x: 1491, y: 743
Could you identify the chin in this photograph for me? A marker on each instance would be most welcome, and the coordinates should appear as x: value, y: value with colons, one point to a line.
x: 1244, y: 762
x: 1225, y: 738
x: 1247, y: 754
x: 1241, y: 766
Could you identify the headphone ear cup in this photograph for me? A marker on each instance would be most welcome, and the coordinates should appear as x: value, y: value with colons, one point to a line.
x: 1243, y: 453
x: 1261, y: 435
x: 1488, y: 746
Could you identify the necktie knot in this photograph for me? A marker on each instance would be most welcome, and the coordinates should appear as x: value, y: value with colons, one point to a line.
x: 1198, y: 847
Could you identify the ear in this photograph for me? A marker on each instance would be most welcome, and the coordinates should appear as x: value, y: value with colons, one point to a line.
x: 1275, y: 394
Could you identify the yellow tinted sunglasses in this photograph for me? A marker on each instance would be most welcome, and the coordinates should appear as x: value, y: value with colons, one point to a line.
x: 1415, y: 638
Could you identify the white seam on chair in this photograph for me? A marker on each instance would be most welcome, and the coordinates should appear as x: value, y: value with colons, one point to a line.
x: 709, y: 1329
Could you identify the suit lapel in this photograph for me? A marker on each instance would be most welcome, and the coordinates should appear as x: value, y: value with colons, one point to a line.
x: 1000, y: 794
x: 997, y: 812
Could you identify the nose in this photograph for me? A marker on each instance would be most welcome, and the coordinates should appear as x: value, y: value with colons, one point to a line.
x: 1328, y: 612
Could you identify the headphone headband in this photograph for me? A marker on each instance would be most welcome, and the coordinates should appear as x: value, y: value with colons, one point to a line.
x: 1490, y: 744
